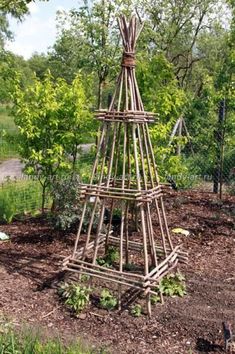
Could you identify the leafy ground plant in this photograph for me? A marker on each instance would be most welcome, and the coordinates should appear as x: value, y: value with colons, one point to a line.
x: 136, y: 310
x: 107, y: 300
x: 173, y: 285
x: 155, y: 299
x: 110, y: 257
x: 76, y: 296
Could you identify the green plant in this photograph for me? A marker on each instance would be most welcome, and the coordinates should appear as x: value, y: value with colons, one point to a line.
x: 53, y: 118
x: 173, y: 285
x: 85, y: 278
x: 30, y: 341
x: 19, y: 198
x: 107, y: 300
x: 76, y: 297
x: 136, y: 310
x: 67, y: 208
x: 231, y: 188
x: 155, y: 299
x: 110, y: 257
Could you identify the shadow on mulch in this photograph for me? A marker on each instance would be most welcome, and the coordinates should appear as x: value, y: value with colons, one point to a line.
x: 204, y: 346
x: 32, y: 266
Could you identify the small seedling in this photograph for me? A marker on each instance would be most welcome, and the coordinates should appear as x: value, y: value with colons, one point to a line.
x: 85, y: 278
x: 107, y: 300
x: 155, y: 299
x: 136, y: 310
x: 110, y: 258
x: 173, y: 285
x: 76, y: 296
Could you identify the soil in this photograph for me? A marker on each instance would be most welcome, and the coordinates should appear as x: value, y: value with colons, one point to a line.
x: 30, y: 270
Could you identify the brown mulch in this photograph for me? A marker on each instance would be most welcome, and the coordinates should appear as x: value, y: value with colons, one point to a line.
x: 30, y: 271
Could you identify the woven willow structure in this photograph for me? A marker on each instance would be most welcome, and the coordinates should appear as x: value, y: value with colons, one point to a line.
x: 124, y: 177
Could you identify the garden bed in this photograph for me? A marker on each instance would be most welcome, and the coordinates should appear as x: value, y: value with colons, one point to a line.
x: 30, y: 271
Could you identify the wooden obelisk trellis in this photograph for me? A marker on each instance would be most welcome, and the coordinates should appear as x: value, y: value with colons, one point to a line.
x: 124, y: 176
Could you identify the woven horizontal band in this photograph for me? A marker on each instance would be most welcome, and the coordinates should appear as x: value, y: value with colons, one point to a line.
x: 128, y: 59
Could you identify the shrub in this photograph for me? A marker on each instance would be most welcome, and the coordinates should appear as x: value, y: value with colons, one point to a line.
x: 67, y: 207
x: 107, y: 300
x: 53, y: 118
x: 110, y: 257
x: 76, y: 297
x: 173, y: 285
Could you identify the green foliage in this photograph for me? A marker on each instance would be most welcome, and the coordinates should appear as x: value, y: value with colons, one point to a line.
x: 231, y: 188
x: 39, y: 64
x: 173, y: 285
x: 29, y: 341
x: 8, y: 135
x: 67, y: 207
x: 19, y: 198
x: 110, y: 257
x: 76, y: 297
x: 159, y: 88
x: 107, y: 300
x: 155, y: 299
x: 16, y: 9
x: 53, y: 119
x: 136, y: 310
x: 162, y: 95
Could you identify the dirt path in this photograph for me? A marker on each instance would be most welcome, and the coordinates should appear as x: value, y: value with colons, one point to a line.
x: 30, y: 271
x: 11, y: 168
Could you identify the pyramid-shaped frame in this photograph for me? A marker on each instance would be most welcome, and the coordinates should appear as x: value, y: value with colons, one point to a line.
x: 125, y: 187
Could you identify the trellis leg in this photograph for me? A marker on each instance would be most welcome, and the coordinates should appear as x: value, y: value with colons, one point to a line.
x: 117, y: 156
x: 114, y: 181
x: 96, y: 200
x: 146, y: 266
x: 123, y: 214
x: 91, y: 180
x: 157, y: 178
x: 156, y: 204
x: 103, y: 204
x: 149, y: 224
x: 128, y: 186
x: 157, y: 182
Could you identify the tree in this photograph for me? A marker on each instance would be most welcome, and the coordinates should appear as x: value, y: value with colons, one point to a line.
x: 16, y: 8
x: 53, y: 118
x: 173, y: 27
x: 161, y: 94
x: 92, y: 29
x: 10, y: 64
x: 39, y: 64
